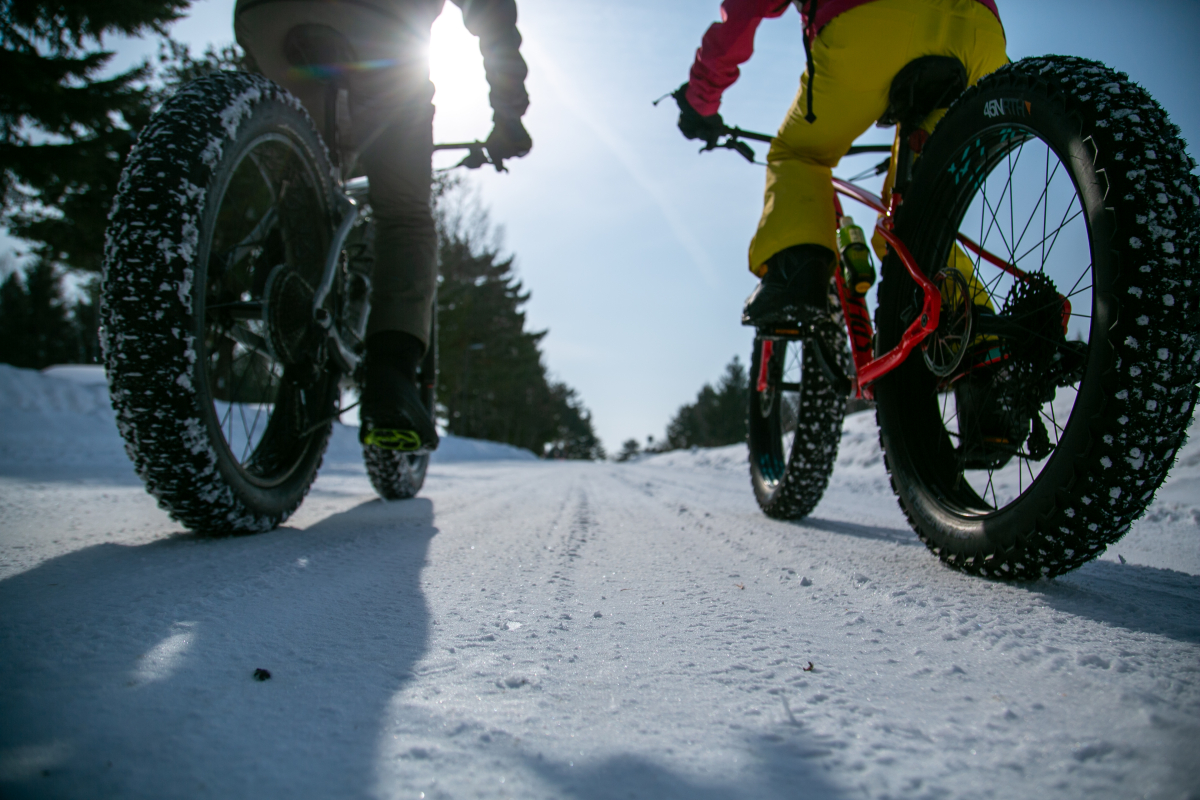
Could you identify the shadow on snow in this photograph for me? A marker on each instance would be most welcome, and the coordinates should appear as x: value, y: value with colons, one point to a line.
x: 121, y: 665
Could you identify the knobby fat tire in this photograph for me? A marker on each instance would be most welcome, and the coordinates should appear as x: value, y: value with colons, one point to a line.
x: 822, y: 410
x: 395, y: 475
x: 1138, y: 392
x: 154, y: 277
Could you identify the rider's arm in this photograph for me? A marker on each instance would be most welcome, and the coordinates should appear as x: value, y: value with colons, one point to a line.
x: 726, y: 45
x: 495, y: 23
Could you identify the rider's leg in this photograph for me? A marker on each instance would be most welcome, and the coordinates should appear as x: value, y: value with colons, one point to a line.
x: 977, y: 40
x: 856, y: 56
x: 392, y: 112
x: 393, y: 115
x: 391, y: 105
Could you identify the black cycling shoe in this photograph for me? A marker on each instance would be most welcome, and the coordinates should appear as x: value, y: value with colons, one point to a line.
x: 795, y: 288
x: 392, y: 415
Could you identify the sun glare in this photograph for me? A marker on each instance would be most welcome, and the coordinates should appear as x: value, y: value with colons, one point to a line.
x: 456, y: 68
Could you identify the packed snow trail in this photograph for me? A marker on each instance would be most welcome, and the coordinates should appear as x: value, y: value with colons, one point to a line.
x: 573, y: 630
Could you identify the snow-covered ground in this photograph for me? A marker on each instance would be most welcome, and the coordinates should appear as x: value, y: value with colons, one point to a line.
x: 534, y: 630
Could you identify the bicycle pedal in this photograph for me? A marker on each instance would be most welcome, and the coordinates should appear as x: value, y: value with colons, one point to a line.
x: 785, y: 332
x: 404, y: 441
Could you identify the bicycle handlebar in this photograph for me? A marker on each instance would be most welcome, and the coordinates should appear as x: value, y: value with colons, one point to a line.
x: 734, y: 136
x: 476, y: 156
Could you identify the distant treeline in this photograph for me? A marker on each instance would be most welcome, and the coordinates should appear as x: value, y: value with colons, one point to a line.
x: 717, y: 417
x: 65, y: 132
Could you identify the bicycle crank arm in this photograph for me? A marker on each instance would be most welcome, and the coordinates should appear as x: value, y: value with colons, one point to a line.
x: 990, y: 324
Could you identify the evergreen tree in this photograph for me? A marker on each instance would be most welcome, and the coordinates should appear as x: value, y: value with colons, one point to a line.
x: 492, y: 383
x: 717, y: 417
x: 37, y: 328
x: 630, y: 449
x: 571, y: 434
x: 85, y: 318
x: 64, y: 130
x: 178, y: 66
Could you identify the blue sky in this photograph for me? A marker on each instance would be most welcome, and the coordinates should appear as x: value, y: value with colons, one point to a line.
x: 632, y: 244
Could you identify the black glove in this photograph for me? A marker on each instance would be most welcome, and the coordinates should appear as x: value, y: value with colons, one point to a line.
x: 692, y: 124
x: 508, y: 139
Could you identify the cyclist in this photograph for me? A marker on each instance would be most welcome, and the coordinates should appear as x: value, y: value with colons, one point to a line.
x: 379, y: 50
x: 854, y: 49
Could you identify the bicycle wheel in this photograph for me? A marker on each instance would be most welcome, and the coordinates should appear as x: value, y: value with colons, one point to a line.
x: 396, y: 475
x: 217, y: 239
x: 1045, y: 444
x: 794, y: 425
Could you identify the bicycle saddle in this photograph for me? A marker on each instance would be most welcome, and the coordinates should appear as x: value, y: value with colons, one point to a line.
x: 318, y: 49
x: 922, y: 85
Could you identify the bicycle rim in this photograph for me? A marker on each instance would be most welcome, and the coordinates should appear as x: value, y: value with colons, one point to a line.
x: 778, y: 411
x: 1021, y: 203
x: 266, y: 389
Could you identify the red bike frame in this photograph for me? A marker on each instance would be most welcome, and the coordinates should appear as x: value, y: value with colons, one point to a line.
x: 869, y: 368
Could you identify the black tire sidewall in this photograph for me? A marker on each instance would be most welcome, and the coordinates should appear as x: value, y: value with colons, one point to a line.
x: 152, y: 302
x: 910, y: 455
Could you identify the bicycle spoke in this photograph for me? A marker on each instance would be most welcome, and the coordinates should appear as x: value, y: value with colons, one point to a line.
x: 1043, y: 201
x: 1058, y: 430
x: 995, y: 224
x: 1055, y: 233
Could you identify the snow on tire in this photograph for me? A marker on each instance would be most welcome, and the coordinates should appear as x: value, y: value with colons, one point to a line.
x: 795, y: 425
x: 171, y: 281
x: 1115, y: 438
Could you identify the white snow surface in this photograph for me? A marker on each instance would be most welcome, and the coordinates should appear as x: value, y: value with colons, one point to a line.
x: 536, y: 629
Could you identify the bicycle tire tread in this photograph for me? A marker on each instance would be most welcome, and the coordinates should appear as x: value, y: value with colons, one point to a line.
x: 147, y: 295
x: 1141, y: 420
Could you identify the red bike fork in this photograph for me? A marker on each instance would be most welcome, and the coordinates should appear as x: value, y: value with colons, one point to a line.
x: 764, y: 361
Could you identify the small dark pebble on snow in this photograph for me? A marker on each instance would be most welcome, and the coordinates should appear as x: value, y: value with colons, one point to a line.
x: 261, y: 674
x: 597, y: 615
x: 809, y: 668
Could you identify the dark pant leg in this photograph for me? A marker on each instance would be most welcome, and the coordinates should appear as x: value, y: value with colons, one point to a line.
x: 391, y: 107
x: 396, y: 148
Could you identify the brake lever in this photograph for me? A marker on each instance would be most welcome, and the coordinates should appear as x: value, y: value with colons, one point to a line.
x: 743, y: 148
x: 732, y: 143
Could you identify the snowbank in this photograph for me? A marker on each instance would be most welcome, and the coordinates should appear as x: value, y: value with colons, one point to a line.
x: 858, y: 452
x: 60, y: 421
x: 733, y: 457
x: 52, y: 424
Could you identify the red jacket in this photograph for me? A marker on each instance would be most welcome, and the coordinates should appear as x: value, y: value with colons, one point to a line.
x: 730, y: 42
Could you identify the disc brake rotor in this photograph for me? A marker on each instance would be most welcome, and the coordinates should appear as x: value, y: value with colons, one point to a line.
x: 943, y: 349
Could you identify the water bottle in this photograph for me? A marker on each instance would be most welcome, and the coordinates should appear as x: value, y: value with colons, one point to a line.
x: 857, y: 271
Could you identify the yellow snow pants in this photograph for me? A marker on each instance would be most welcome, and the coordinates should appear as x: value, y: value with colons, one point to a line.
x: 856, y: 56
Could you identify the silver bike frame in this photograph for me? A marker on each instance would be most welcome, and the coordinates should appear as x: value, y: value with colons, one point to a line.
x: 352, y: 203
